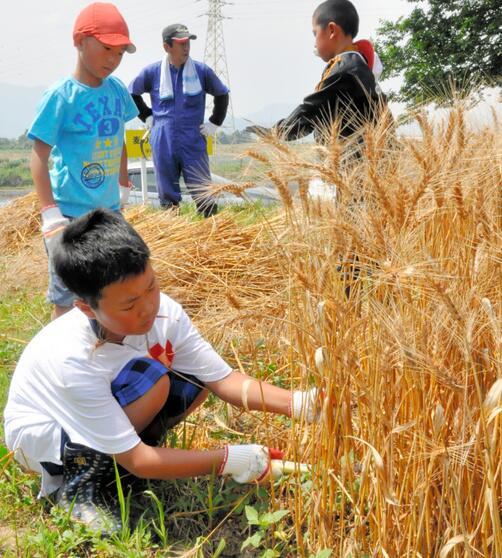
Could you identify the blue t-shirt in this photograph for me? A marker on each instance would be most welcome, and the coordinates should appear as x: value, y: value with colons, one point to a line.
x: 85, y: 127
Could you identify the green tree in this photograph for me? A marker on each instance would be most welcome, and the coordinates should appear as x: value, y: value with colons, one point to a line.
x: 443, y: 44
x: 23, y: 142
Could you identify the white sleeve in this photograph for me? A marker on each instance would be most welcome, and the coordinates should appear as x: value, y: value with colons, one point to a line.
x: 91, y: 416
x: 193, y: 355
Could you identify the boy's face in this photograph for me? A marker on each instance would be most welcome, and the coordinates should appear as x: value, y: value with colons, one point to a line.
x: 325, y: 40
x: 97, y: 60
x: 127, y: 307
x: 178, y: 52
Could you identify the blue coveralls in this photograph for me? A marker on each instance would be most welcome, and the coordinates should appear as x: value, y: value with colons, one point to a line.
x: 177, y: 143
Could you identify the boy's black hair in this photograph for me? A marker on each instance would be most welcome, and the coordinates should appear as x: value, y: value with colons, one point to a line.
x: 342, y: 12
x: 97, y: 250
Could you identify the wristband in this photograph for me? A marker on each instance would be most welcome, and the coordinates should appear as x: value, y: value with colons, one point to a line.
x: 52, y: 218
x: 244, y: 393
x: 224, y: 462
x: 124, y: 192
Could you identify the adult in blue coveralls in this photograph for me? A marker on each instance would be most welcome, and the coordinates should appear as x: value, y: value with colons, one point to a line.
x: 177, y: 86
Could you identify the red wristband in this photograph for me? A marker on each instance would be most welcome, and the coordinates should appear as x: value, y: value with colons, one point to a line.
x: 48, y: 207
x: 224, y: 462
x: 265, y: 473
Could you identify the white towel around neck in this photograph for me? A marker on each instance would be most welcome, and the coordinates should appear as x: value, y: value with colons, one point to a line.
x: 191, y: 82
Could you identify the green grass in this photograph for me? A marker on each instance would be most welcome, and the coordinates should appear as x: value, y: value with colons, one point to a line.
x: 14, y: 172
x: 228, y: 167
x: 246, y: 213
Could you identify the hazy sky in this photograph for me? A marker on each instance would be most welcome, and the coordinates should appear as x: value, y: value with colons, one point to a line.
x: 269, y: 43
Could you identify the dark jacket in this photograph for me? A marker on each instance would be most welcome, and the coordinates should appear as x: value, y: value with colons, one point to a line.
x: 347, y: 91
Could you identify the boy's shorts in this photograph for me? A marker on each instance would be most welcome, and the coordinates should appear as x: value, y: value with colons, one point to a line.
x: 57, y: 292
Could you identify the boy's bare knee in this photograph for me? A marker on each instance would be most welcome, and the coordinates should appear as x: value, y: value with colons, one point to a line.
x: 142, y: 411
x: 160, y: 392
x: 203, y: 395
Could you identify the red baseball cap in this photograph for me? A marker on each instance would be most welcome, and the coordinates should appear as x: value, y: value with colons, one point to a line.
x: 105, y: 23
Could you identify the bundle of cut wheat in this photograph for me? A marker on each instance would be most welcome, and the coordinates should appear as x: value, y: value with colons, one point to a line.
x: 19, y: 222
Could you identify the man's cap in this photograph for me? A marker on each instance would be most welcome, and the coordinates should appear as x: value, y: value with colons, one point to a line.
x: 104, y: 22
x: 177, y: 32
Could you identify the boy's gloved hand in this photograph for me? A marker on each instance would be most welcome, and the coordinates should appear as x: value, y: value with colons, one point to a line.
x: 306, y: 404
x: 53, y: 224
x: 208, y: 128
x: 149, y: 122
x: 248, y: 463
x: 125, y: 190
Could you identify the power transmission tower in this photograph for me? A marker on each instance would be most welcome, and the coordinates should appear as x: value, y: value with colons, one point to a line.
x: 214, y: 52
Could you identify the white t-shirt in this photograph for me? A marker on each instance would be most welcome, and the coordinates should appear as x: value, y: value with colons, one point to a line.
x: 63, y: 380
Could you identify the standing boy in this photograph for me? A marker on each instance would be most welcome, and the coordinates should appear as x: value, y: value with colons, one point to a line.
x: 123, y: 366
x: 177, y: 86
x: 347, y: 92
x: 80, y: 124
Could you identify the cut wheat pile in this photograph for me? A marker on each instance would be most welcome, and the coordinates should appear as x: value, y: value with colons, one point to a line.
x: 390, y: 301
x: 223, y: 274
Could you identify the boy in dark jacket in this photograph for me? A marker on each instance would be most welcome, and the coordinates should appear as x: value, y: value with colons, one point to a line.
x: 347, y: 91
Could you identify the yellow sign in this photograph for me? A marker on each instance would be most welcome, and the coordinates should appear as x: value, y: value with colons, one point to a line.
x: 210, y: 145
x: 135, y: 139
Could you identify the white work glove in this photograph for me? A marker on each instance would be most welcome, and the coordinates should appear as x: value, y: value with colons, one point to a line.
x: 149, y: 122
x: 53, y: 224
x: 246, y: 463
x: 124, y: 193
x: 208, y: 128
x: 306, y: 404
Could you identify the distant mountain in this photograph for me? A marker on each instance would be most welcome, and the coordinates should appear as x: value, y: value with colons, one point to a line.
x: 18, y: 108
x: 271, y: 113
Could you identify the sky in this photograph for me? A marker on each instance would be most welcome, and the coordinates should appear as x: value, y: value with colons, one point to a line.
x: 269, y: 43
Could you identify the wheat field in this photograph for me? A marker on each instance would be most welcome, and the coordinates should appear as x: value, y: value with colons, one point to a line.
x: 388, y: 299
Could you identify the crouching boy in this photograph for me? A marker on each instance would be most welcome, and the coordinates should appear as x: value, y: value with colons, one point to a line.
x: 106, y: 379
